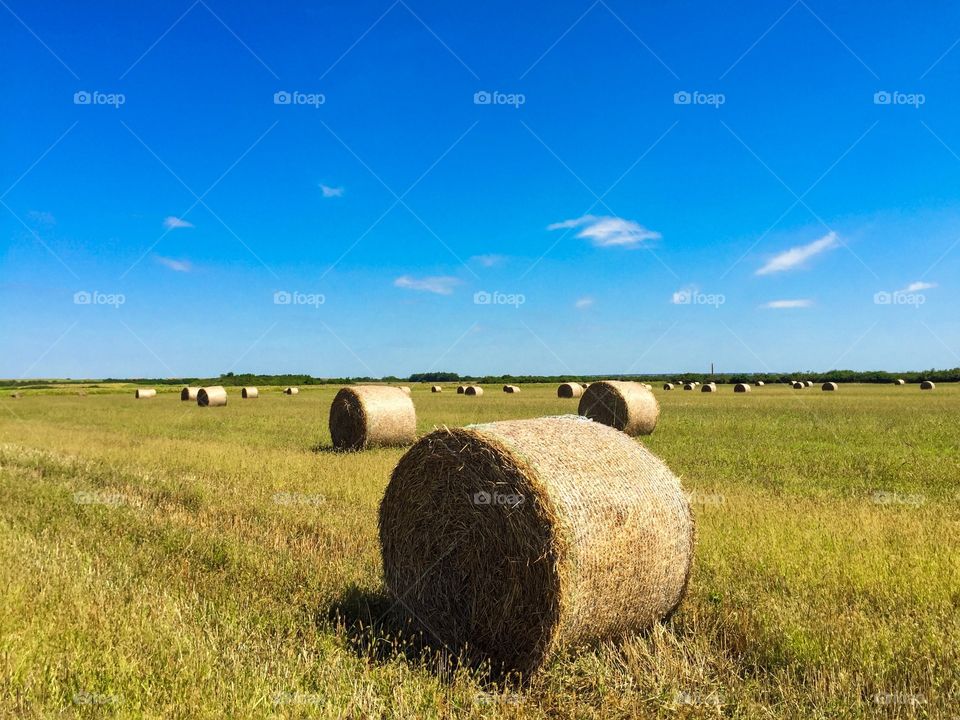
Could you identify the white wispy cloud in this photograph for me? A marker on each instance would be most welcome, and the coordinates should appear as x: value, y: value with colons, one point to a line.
x: 606, y: 231
x: 172, y: 222
x: 796, y: 256
x: 331, y: 192
x: 787, y: 304
x: 439, y: 284
x: 176, y: 265
x: 918, y: 286
x: 488, y: 260
x: 584, y: 302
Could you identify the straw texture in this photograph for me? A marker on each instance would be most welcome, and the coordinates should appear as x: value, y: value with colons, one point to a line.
x: 570, y: 390
x: 514, y: 539
x: 189, y: 393
x: 626, y: 406
x: 249, y: 393
x: 365, y: 416
x: 145, y: 393
x: 213, y: 396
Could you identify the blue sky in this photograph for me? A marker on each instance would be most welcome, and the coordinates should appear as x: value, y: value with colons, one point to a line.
x: 384, y: 188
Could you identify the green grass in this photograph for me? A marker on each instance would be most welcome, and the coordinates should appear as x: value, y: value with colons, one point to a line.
x: 162, y: 560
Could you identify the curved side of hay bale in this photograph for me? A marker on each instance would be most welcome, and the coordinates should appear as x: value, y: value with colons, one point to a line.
x: 553, y: 532
x: 759, y: 383
x: 899, y: 381
x: 569, y: 390
x: 291, y: 391
x: 626, y: 406
x: 436, y: 389
x: 363, y: 416
x: 145, y: 393
x: 473, y: 390
x: 927, y: 385
x: 213, y: 396
x: 829, y: 386
x: 741, y: 388
x: 668, y: 386
x: 511, y: 389
x: 709, y: 387
x: 797, y: 385
x: 189, y: 393
x: 405, y: 389
x: 461, y: 389
x: 809, y: 383
x: 688, y: 386
x: 249, y: 393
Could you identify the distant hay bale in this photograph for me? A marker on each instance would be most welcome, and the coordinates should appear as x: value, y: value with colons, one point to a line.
x: 473, y: 390
x: 668, y: 386
x: 741, y: 388
x: 189, y: 394
x: 688, y: 386
x: 927, y: 385
x: 513, y: 540
x: 797, y: 385
x: 145, y: 393
x: 363, y: 416
x: 709, y: 387
x: 511, y: 389
x: 213, y: 396
x: 16, y: 395
x: 291, y: 391
x: 899, y: 381
x: 461, y: 389
x: 249, y: 393
x: 569, y: 390
x: 829, y: 386
x: 405, y: 389
x: 626, y: 406
x: 583, y: 385
x: 436, y: 389
x: 759, y: 383
x: 809, y: 383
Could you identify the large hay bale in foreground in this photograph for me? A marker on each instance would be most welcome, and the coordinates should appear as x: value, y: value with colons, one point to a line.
x: 829, y: 386
x: 249, y: 393
x: 927, y: 385
x: 514, y: 539
x: 189, y: 394
x: 626, y: 406
x: 291, y: 391
x: 461, y: 389
x: 709, y: 387
x: 365, y: 416
x: 145, y: 393
x: 213, y: 396
x: 741, y: 388
x: 570, y: 390
x: 668, y: 386
x: 436, y: 389
x: 473, y: 390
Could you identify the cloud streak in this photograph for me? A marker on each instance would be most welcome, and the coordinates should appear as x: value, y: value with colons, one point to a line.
x: 331, y: 192
x: 172, y: 222
x: 606, y: 231
x: 175, y: 265
x: 796, y: 256
x: 439, y: 284
x: 918, y: 286
x: 584, y: 303
x: 788, y: 304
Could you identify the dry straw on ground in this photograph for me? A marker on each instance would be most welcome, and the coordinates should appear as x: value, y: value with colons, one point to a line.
x: 741, y: 388
x: 189, y: 393
x: 365, y: 416
x: 627, y: 406
x: 829, y: 386
x: 213, y: 396
x: 668, y: 386
x: 570, y: 390
x: 512, y: 540
x: 927, y: 385
x: 145, y: 393
x: 436, y: 389
x: 249, y: 393
x: 473, y: 390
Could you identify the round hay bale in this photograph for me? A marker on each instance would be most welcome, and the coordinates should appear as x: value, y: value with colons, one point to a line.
x: 189, y: 394
x: 583, y: 385
x: 461, y: 389
x: 473, y: 390
x: 213, y: 396
x: 626, y: 406
x: 511, y: 389
x: 759, y: 383
x: 145, y: 393
x: 927, y: 385
x: 829, y: 386
x: 688, y: 386
x: 16, y: 395
x: 436, y: 389
x: 809, y: 383
x: 363, y: 416
x: 511, y: 540
x: 569, y: 390
x: 249, y: 393
x: 405, y: 389
x: 709, y: 387
x: 668, y: 386
x: 899, y: 381
x: 797, y: 385
x: 741, y: 388
x: 291, y: 391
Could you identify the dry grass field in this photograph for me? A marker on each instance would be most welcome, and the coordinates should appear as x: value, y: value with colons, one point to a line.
x: 163, y: 560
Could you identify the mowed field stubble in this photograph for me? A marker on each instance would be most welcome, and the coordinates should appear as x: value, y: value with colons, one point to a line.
x: 163, y: 560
